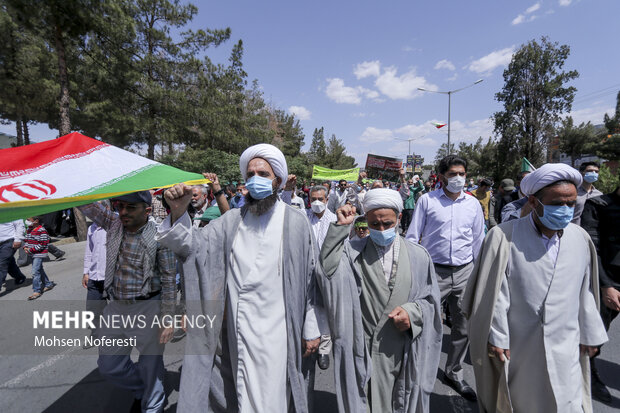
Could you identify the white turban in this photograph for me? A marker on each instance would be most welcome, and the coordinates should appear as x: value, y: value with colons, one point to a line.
x: 548, y: 174
x: 382, y: 198
x: 271, y: 154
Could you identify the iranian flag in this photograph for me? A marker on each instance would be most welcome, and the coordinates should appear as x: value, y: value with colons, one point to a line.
x: 439, y: 125
x: 75, y: 170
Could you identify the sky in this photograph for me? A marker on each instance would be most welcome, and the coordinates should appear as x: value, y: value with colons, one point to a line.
x: 354, y: 67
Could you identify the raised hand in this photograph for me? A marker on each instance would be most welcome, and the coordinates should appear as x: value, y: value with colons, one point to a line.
x: 345, y: 214
x: 215, y: 182
x: 178, y: 198
x: 291, y: 183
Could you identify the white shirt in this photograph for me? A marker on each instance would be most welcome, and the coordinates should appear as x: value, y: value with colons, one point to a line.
x: 336, y: 199
x: 551, y: 244
x: 451, y: 231
x: 14, y: 229
x: 320, y: 225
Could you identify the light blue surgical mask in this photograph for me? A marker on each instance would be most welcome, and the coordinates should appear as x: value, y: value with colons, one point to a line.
x: 590, y: 177
x: 383, y: 238
x: 259, y: 187
x: 556, y: 217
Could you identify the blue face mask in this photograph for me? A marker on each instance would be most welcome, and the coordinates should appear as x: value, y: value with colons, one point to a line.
x: 259, y: 187
x: 383, y: 238
x: 556, y: 217
x: 590, y: 177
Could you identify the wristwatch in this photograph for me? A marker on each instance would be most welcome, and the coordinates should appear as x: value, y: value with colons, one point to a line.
x: 218, y: 193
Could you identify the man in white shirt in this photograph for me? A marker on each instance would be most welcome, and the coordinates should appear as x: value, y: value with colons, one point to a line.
x: 450, y: 225
x: 338, y: 196
x: 11, y: 236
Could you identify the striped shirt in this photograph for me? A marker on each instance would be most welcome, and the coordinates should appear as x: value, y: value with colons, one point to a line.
x: 36, y: 241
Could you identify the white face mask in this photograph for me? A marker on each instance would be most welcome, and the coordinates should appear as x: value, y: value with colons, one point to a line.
x: 456, y: 184
x: 318, y: 206
x: 28, y: 223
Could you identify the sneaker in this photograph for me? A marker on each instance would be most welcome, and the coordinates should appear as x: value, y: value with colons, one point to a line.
x: 60, y: 255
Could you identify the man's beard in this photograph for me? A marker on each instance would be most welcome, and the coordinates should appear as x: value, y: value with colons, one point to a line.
x: 260, y: 206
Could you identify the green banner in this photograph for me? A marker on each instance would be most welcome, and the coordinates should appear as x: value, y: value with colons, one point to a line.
x: 526, y: 166
x: 326, y: 174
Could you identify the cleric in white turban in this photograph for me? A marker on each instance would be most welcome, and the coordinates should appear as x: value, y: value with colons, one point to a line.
x: 548, y: 174
x: 252, y: 271
x: 383, y: 198
x: 382, y: 299
x: 532, y: 299
x: 269, y: 153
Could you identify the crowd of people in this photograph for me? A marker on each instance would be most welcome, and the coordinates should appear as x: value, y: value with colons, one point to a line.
x: 366, y: 274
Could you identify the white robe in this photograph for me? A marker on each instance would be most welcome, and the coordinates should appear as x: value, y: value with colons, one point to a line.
x: 544, y: 310
x: 256, y: 313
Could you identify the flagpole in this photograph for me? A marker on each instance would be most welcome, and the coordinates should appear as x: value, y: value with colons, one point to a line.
x: 449, y: 93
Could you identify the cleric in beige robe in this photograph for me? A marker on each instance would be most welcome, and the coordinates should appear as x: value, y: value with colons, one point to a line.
x: 533, y: 317
x: 382, y: 303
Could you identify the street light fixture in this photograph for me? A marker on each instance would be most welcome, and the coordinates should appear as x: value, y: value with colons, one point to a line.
x: 449, y: 93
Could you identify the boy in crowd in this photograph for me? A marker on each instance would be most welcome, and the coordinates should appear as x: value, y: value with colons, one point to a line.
x: 35, y: 245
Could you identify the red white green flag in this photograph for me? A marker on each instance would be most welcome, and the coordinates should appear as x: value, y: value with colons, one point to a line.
x: 439, y: 125
x: 75, y: 170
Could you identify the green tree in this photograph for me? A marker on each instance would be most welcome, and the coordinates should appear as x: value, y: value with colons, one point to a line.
x: 608, y: 142
x: 225, y: 165
x: 576, y: 140
x: 534, y: 96
x: 26, y: 65
x: 336, y: 156
x: 289, y: 136
x: 318, y: 149
x: 442, y: 152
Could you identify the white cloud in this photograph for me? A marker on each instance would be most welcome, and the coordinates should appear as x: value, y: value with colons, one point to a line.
x: 522, y: 18
x: 532, y: 9
x: 404, y: 86
x: 339, y: 93
x: 452, y: 78
x: 591, y: 114
x: 494, y: 59
x: 366, y: 69
x: 374, y: 135
x: 565, y: 3
x: 301, y: 112
x: 444, y: 64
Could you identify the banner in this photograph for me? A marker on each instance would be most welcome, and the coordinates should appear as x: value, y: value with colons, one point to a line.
x: 383, y: 163
x: 418, y: 161
x: 409, y: 163
x: 75, y: 170
x: 326, y: 174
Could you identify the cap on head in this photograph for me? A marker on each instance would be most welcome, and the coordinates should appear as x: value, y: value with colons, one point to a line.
x: 136, y: 198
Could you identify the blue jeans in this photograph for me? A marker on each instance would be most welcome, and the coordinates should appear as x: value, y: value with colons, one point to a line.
x: 39, y: 277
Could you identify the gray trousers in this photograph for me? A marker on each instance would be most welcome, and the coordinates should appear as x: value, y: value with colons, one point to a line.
x: 452, y: 282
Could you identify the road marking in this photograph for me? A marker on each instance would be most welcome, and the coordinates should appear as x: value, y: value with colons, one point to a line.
x: 28, y: 373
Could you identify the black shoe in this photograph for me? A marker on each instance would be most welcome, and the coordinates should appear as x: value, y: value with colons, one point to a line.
x: 20, y: 280
x: 462, y: 388
x: 599, y: 390
x: 59, y: 255
x: 136, y: 407
x: 323, y: 361
x: 178, y: 335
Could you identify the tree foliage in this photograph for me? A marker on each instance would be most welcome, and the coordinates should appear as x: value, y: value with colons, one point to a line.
x: 576, y: 140
x: 534, y: 96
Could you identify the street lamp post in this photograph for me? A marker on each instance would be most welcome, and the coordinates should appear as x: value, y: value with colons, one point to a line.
x: 409, y: 140
x: 449, y: 93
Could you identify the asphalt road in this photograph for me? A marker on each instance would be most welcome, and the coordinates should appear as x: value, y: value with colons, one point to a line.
x: 70, y: 382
